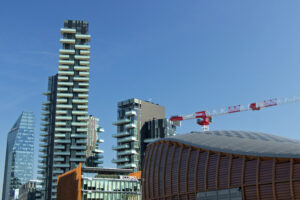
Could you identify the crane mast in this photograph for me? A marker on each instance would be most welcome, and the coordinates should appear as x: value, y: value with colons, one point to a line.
x: 204, y: 118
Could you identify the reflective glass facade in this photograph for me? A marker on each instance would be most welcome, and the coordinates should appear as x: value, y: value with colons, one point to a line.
x: 105, y: 188
x: 19, y: 154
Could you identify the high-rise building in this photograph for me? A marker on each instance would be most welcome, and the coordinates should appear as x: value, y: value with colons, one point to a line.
x: 19, y: 154
x: 64, y: 133
x: 132, y: 115
x: 94, y: 155
x: 153, y: 130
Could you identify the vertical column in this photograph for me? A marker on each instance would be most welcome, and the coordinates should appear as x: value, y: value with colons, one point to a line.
x: 165, y: 166
x: 257, y: 178
x: 178, y: 171
x: 291, y: 178
x: 206, y: 171
x: 273, y: 179
x: 196, y: 172
x: 187, y: 172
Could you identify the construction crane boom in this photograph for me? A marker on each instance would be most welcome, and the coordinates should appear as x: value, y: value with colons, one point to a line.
x: 204, y: 118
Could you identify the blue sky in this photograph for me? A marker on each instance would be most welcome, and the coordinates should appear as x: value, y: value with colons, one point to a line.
x: 185, y: 55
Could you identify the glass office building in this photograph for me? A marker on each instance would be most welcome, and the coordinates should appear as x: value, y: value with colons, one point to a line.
x: 19, y: 154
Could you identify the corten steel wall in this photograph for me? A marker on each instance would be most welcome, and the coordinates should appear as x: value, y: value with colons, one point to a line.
x: 173, y: 170
x: 69, y: 185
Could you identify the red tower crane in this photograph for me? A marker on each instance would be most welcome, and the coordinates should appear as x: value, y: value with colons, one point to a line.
x: 204, y: 118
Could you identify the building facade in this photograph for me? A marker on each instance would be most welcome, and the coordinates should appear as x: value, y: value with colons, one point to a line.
x: 104, y: 184
x: 30, y: 190
x: 132, y: 115
x: 227, y: 165
x: 153, y: 130
x: 94, y: 155
x: 19, y: 158
x: 64, y: 132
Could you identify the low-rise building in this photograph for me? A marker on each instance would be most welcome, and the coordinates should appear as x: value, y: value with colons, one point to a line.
x: 94, y: 183
x: 30, y: 190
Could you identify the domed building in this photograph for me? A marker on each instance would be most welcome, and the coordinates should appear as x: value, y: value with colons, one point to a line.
x: 222, y: 165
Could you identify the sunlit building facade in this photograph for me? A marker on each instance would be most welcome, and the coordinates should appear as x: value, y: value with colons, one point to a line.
x: 132, y: 115
x: 64, y: 133
x: 19, y: 158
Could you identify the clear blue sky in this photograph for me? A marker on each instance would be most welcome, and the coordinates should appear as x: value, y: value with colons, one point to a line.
x: 185, y: 55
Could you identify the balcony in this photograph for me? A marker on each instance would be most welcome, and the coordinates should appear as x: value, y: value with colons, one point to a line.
x: 63, y: 118
x: 79, y: 123
x: 100, y: 141
x: 70, y: 95
x: 63, y: 106
x: 82, y: 107
x: 63, y: 57
x: 100, y: 129
x: 82, y: 130
x: 61, y: 165
x: 62, y: 89
x: 63, y: 129
x: 67, y: 30
x: 61, y: 112
x: 122, y: 121
x: 130, y: 165
x: 83, y: 96
x: 84, y: 62
x: 46, y: 103
x: 84, y: 52
x: 78, y: 135
x: 67, y: 73
x: 127, y: 139
x: 131, y: 112
x: 81, y: 36
x: 67, y: 51
x: 120, y: 160
x: 60, y: 135
x: 46, y: 113
x: 80, y: 57
x: 81, y: 79
x: 62, y: 141
x: 67, y: 41
x: 98, y: 151
x: 63, y: 67
x: 121, y: 134
x: 63, y: 78
x: 45, y: 123
x: 130, y: 126
x: 78, y: 147
x: 84, y: 73
x: 58, y: 159
x: 60, y: 124
x: 65, y: 83
x: 80, y: 101
x: 75, y: 112
x: 45, y: 119
x: 80, y: 46
x: 82, y: 118
x: 119, y: 147
x: 59, y: 147
x: 66, y: 62
x: 80, y: 90
x: 84, y: 84
x: 80, y: 153
x: 81, y: 141
x: 81, y: 68
x: 77, y: 159
x: 59, y: 101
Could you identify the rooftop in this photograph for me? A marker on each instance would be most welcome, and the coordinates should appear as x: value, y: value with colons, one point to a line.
x: 242, y: 143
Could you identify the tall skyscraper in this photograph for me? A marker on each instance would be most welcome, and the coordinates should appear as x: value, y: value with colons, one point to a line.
x: 132, y: 115
x: 64, y: 133
x: 19, y: 154
x: 94, y: 155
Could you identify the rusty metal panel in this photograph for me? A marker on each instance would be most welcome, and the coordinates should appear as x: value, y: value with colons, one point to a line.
x: 223, y: 172
x: 250, y: 172
x: 201, y: 171
x: 191, y: 174
x: 236, y: 171
x: 168, y: 166
x: 211, y: 171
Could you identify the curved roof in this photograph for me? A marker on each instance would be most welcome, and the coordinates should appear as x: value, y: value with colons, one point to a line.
x: 242, y: 143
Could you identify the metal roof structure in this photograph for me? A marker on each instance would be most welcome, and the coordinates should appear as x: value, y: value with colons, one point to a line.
x: 241, y: 143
